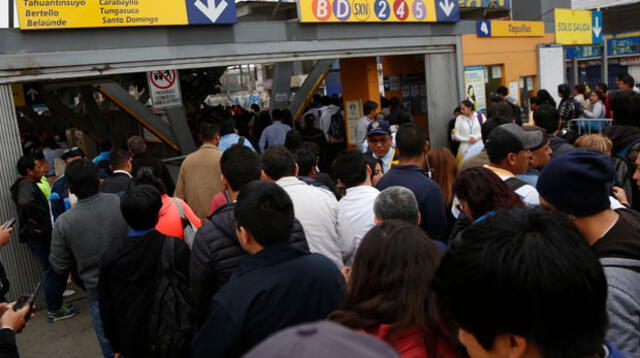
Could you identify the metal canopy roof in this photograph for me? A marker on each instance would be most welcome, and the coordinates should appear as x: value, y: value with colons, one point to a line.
x: 33, y: 55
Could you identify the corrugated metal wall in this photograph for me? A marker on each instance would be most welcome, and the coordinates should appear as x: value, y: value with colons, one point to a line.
x: 442, y: 94
x: 22, y: 267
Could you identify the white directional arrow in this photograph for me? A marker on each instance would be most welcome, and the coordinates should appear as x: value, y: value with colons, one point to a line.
x: 596, y: 28
x: 484, y: 28
x: 32, y: 93
x: 212, y: 11
x: 447, y: 7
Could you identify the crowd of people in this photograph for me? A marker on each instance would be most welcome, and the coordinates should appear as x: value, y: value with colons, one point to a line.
x: 518, y: 244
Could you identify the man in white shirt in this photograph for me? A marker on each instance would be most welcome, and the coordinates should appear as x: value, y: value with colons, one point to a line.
x: 509, y: 150
x: 315, y: 208
x: 356, y: 208
x: 369, y: 110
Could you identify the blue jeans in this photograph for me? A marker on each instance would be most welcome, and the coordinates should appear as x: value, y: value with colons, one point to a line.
x: 94, y: 308
x: 54, y: 284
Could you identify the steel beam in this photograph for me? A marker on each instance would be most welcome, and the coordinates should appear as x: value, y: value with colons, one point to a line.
x: 180, y: 127
x: 280, y: 91
x: 120, y: 97
x: 309, y: 87
x: 70, y: 116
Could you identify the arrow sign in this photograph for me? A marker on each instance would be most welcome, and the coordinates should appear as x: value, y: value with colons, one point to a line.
x: 33, y: 94
x: 596, y: 27
x: 447, y: 7
x: 597, y: 23
x: 211, y: 11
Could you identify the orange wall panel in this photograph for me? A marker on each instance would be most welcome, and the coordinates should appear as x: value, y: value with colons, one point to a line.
x: 518, y: 55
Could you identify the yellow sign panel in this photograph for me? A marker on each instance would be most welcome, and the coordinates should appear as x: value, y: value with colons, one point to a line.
x: 323, y: 11
x: 18, y: 95
x: 60, y: 14
x: 517, y: 28
x: 574, y: 27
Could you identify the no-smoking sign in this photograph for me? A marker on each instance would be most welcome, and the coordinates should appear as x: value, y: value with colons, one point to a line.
x: 164, y: 87
x: 163, y: 79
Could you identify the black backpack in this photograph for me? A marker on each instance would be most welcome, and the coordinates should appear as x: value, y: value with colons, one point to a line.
x: 337, y: 129
x: 171, y: 326
x: 514, y: 183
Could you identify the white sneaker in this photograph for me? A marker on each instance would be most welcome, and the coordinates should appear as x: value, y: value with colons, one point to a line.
x: 68, y: 293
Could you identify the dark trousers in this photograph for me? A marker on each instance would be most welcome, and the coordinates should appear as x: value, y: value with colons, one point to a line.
x: 54, y: 284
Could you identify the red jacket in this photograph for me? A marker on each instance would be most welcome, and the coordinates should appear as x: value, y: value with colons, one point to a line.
x: 411, y: 344
x: 170, y: 222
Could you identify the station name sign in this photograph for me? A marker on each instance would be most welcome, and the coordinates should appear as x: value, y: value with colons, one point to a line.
x: 578, y: 27
x: 495, y: 28
x: 60, y: 14
x: 324, y: 11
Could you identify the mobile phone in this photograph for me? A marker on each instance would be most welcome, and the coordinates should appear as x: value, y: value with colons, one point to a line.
x: 27, y: 300
x: 9, y: 224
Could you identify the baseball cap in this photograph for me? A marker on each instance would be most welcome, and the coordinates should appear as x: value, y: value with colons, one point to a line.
x: 378, y: 127
x: 543, y: 140
x: 511, y: 138
x: 320, y: 340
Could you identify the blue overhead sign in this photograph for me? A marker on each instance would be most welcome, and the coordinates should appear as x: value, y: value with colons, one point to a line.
x: 596, y: 21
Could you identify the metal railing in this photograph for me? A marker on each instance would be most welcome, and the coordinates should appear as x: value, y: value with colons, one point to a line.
x: 588, y: 126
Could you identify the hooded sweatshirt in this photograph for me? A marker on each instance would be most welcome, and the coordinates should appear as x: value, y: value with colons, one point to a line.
x: 619, y: 253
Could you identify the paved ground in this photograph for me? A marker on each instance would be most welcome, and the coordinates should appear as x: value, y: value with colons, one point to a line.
x: 71, y: 338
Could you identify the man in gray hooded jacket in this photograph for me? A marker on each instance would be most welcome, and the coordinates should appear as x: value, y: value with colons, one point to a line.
x: 579, y: 184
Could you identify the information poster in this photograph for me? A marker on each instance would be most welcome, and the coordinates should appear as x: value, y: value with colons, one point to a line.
x: 474, y: 84
x: 354, y: 113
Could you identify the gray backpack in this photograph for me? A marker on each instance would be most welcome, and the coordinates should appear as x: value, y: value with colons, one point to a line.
x: 188, y: 229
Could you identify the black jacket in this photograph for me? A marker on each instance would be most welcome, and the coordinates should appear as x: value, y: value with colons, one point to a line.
x: 216, y: 253
x: 159, y: 169
x: 276, y: 288
x: 34, y: 218
x: 116, y: 183
x: 127, y: 285
x: 8, y: 348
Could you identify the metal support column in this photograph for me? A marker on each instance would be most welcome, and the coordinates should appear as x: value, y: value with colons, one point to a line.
x: 180, y: 127
x: 605, y: 63
x: 120, y: 97
x: 309, y: 87
x: 576, y: 72
x: 23, y: 269
x: 281, y: 85
x: 440, y: 69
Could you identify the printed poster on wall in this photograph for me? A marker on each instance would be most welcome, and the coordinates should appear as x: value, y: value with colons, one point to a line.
x: 474, y: 87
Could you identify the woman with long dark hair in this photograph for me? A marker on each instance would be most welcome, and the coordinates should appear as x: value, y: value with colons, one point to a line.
x: 481, y: 192
x: 545, y: 97
x: 389, y: 293
x: 444, y: 170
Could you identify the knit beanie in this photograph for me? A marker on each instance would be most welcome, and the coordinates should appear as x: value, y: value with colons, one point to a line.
x: 578, y: 183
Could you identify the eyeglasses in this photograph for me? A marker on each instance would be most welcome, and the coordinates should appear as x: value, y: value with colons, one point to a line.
x: 460, y: 207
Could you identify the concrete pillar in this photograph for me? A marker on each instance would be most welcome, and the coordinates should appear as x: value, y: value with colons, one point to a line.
x: 442, y: 95
x: 281, y: 87
x: 23, y: 269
